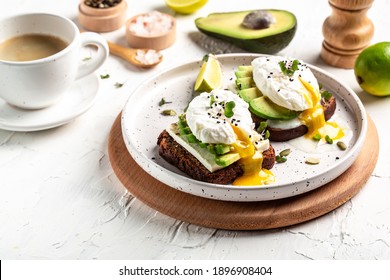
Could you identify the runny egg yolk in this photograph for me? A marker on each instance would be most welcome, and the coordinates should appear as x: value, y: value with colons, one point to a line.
x: 251, y: 161
x: 314, y: 117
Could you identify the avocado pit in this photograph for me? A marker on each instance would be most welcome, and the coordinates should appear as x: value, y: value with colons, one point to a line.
x: 259, y: 19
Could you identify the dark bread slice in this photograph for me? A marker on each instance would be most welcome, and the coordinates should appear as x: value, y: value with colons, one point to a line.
x: 178, y: 156
x: 280, y: 135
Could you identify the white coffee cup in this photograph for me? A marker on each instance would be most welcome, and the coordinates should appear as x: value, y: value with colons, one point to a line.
x: 39, y: 83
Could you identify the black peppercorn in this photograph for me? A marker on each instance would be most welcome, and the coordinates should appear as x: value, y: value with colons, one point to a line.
x: 102, y: 4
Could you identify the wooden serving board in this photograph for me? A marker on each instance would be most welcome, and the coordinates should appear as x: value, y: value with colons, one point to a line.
x: 241, y: 215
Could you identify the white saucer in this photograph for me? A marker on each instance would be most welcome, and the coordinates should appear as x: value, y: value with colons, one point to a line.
x: 75, y: 102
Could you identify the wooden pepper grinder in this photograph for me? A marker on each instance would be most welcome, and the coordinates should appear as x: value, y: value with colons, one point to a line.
x: 347, y: 31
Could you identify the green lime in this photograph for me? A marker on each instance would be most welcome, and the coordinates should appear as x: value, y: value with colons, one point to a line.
x: 210, y: 75
x: 185, y: 6
x: 372, y: 69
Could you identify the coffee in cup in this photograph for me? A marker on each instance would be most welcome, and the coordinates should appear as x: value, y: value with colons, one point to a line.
x: 39, y: 58
x: 30, y: 47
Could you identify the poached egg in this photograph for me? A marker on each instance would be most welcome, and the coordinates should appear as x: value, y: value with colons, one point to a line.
x: 208, y: 122
x: 296, y: 89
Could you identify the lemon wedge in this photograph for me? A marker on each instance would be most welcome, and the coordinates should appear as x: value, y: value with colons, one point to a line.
x: 185, y: 6
x: 210, y: 75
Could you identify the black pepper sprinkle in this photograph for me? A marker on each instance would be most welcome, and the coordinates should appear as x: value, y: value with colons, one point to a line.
x: 291, y: 80
x: 102, y: 4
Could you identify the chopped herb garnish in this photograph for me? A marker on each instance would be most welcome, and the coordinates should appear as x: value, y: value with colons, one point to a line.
x: 163, y: 101
x: 118, y: 85
x: 317, y: 137
x: 262, y: 127
x: 205, y: 57
x: 328, y: 139
x: 212, y: 100
x: 229, y: 109
x: 326, y: 95
x: 87, y: 58
x: 105, y: 76
x: 289, y: 71
x: 267, y: 134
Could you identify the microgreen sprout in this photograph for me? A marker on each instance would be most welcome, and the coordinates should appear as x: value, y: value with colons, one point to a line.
x: 229, y: 109
x: 118, y: 85
x: 289, y: 71
x: 212, y: 100
x: 163, y: 101
x: 326, y: 95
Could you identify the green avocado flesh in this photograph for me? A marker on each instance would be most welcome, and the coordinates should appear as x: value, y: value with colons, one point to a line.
x: 249, y: 94
x: 245, y: 82
x: 228, y: 27
x: 265, y: 108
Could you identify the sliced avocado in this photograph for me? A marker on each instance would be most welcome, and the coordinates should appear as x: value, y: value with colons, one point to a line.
x: 191, y: 138
x: 245, y: 68
x: 221, y: 149
x: 229, y: 27
x: 248, y: 94
x: 246, y: 82
x: 243, y: 73
x: 265, y: 108
x: 227, y: 159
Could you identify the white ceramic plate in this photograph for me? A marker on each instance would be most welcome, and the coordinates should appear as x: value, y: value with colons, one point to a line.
x: 142, y: 122
x: 78, y: 99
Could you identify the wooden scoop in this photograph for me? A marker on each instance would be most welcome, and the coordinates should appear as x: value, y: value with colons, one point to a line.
x: 130, y: 55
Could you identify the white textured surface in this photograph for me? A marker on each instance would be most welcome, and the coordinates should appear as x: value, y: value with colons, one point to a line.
x: 59, y: 198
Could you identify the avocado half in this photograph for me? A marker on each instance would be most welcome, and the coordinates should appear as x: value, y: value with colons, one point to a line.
x: 228, y: 27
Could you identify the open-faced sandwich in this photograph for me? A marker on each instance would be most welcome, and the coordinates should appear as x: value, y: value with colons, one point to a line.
x: 224, y: 135
x: 284, y: 95
x: 215, y: 141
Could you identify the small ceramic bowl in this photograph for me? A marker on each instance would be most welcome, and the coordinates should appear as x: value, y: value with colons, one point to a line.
x: 102, y: 20
x: 158, y: 41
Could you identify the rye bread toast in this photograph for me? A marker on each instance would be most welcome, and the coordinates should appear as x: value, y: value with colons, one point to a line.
x: 178, y: 156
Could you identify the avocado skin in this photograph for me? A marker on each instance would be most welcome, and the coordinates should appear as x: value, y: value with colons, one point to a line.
x: 266, y: 45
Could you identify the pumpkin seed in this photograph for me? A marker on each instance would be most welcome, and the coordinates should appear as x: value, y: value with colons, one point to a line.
x: 285, y: 152
x: 169, y: 112
x: 280, y: 159
x: 312, y: 161
x: 341, y: 145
